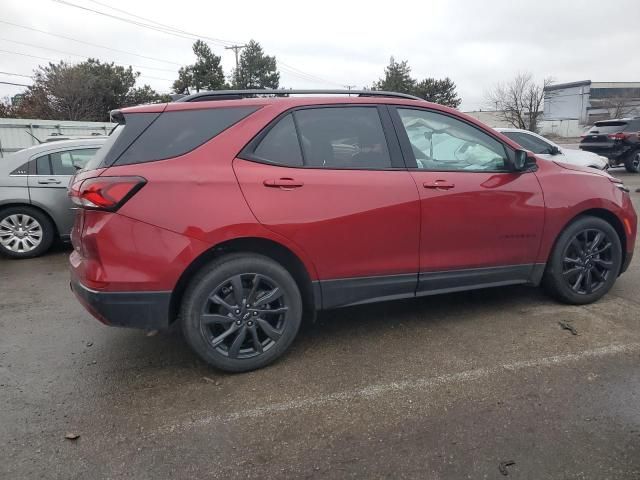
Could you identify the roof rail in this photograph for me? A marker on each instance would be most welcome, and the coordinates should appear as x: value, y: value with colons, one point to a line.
x: 238, y: 94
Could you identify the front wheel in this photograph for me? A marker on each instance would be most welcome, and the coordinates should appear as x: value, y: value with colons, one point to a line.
x: 632, y: 162
x: 241, y: 312
x: 585, y: 262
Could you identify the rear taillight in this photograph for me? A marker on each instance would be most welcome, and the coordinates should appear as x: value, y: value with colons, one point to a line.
x: 105, y: 193
x: 618, y: 136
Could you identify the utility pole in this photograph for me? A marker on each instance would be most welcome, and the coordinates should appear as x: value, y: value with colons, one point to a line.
x: 236, y: 49
x: 349, y: 87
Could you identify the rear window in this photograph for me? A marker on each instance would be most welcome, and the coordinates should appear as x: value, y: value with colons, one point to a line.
x: 175, y: 133
x: 147, y: 137
x: 608, y: 127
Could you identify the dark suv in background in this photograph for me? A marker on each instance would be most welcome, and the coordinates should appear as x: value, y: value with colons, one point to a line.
x: 618, y: 140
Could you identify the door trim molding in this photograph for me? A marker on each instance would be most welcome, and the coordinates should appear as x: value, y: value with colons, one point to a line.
x: 345, y: 292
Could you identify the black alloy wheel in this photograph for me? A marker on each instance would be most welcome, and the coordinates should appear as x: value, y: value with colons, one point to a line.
x: 588, y: 261
x: 585, y: 261
x: 241, y: 312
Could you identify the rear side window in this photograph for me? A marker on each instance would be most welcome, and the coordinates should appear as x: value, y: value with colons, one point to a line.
x: 43, y: 167
x: 280, y: 145
x: 343, y: 137
x: 175, y: 133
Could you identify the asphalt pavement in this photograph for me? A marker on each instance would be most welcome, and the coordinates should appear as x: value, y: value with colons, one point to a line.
x: 476, y: 385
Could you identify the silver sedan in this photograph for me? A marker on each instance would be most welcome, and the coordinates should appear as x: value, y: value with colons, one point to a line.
x: 34, y: 207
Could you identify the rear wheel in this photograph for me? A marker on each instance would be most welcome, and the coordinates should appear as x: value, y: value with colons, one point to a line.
x: 632, y: 162
x: 25, y: 232
x: 241, y: 312
x: 585, y: 261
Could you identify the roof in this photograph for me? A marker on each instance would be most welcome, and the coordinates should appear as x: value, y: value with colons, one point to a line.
x: 560, y: 86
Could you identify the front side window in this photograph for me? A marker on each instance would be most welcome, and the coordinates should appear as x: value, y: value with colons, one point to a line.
x: 529, y: 142
x: 343, y: 137
x: 440, y: 143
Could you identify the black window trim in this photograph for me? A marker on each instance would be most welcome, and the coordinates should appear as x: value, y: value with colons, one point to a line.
x: 393, y: 147
x: 410, y: 159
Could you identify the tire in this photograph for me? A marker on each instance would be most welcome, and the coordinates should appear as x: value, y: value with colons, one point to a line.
x: 589, y: 248
x: 632, y: 162
x: 25, y: 232
x: 211, y: 313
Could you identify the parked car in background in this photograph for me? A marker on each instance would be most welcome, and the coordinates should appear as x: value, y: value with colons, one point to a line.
x: 34, y: 206
x: 618, y: 140
x: 237, y: 216
x: 545, y: 148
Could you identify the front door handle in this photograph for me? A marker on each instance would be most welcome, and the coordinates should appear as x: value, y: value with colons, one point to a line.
x: 439, y: 185
x: 284, y: 183
x: 49, y: 181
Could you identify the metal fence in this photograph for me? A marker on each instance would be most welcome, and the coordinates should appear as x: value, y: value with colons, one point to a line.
x: 19, y: 133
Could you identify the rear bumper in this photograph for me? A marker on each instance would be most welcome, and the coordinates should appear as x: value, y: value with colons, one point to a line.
x: 145, y: 310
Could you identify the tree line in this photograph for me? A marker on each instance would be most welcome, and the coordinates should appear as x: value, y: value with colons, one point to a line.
x: 89, y: 90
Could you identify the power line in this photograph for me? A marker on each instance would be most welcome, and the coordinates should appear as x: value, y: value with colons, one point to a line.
x: 16, y: 74
x: 167, y: 29
x: 16, y: 84
x: 82, y: 56
x: 89, y: 43
x: 163, y: 25
x: 56, y: 59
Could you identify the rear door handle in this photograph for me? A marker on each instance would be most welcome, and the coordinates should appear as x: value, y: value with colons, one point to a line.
x: 439, y: 185
x: 49, y: 181
x: 283, y: 183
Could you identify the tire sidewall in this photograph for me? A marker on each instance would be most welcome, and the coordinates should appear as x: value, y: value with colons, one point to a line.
x: 211, y: 277
x: 555, y: 281
x: 48, y: 231
x: 629, y: 162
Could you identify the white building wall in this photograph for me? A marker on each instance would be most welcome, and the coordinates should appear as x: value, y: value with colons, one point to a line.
x: 568, y: 103
x: 19, y: 133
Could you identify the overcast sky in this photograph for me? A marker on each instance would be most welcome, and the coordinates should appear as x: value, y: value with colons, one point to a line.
x: 335, y: 43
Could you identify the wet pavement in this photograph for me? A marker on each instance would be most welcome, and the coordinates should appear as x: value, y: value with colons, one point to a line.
x: 444, y: 387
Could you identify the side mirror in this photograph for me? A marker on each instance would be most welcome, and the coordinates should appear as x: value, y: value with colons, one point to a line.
x: 553, y: 150
x: 522, y: 160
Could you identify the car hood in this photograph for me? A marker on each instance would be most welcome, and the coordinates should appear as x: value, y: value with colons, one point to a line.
x: 582, y: 168
x: 581, y: 157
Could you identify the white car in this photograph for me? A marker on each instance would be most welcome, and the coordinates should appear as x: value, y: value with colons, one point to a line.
x: 547, y: 149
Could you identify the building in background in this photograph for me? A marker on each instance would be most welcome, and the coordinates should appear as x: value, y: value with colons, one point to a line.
x: 569, y: 108
x: 493, y: 118
x: 19, y: 133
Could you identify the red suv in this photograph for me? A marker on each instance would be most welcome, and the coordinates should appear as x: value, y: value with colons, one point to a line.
x: 238, y: 216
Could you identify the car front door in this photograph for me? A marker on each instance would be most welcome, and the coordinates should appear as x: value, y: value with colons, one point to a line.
x: 331, y: 179
x: 481, y: 221
x: 48, y: 181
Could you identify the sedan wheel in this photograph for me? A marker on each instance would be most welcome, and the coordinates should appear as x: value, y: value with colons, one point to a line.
x: 24, y: 232
x: 20, y: 233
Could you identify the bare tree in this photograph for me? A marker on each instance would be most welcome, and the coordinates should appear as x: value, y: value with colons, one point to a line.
x: 626, y: 103
x: 520, y: 101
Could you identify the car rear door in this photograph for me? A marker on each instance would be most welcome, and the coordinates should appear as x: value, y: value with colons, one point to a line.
x: 481, y: 222
x: 332, y: 180
x: 48, y: 183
